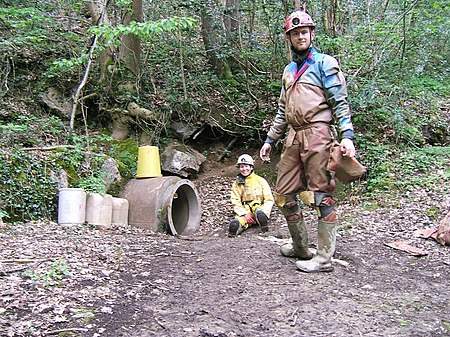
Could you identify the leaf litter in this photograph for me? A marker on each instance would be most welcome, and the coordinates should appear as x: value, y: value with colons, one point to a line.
x: 125, y: 281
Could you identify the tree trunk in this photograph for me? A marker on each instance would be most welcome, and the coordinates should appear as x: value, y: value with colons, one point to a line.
x: 130, y: 49
x: 232, y: 22
x: 95, y: 10
x: 115, y: 79
x: 329, y: 17
x: 300, y: 4
x: 211, y: 43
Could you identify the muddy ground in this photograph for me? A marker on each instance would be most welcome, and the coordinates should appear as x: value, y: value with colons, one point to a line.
x: 80, y: 281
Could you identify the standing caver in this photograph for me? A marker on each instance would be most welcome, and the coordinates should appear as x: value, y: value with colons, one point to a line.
x: 313, y: 96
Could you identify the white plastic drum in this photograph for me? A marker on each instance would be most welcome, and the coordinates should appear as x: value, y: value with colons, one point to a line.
x: 120, y: 212
x: 99, y: 210
x: 71, y: 206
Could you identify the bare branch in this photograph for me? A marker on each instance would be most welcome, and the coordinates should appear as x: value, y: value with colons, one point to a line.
x: 86, y: 73
x: 48, y: 148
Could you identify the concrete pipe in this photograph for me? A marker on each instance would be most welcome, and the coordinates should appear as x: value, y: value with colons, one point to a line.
x: 166, y: 204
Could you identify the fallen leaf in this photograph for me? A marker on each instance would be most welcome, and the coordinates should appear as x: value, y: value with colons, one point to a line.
x: 424, y: 233
x: 401, y: 245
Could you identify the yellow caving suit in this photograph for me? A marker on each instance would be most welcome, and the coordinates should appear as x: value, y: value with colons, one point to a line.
x: 249, y: 194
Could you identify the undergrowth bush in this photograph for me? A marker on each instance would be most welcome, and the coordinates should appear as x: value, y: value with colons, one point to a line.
x: 405, y: 111
x: 27, y: 191
x: 30, y: 177
x: 394, y: 170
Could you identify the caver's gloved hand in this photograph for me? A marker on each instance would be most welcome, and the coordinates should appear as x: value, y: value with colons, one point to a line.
x: 347, y: 148
x: 249, y: 219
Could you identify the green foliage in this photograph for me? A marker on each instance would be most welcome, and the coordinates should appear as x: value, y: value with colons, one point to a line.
x: 446, y: 325
x: 62, y: 66
x: 3, y: 214
x: 402, y: 110
x: 27, y: 191
x: 29, y: 130
x: 393, y: 170
x: 28, y: 183
x: 268, y: 173
x: 396, y: 84
x: 28, y: 31
x: 111, y: 34
x: 125, y: 5
x: 426, y: 85
x: 84, y: 170
x: 29, y: 26
x: 330, y: 45
x: 434, y: 212
x: 31, y: 38
x: 94, y: 183
x: 57, y: 272
x: 125, y: 153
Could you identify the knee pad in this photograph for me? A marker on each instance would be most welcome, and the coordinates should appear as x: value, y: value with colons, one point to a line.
x: 288, y: 206
x: 325, y: 204
x: 322, y: 202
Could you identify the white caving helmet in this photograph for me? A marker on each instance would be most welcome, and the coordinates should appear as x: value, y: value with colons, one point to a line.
x: 245, y: 159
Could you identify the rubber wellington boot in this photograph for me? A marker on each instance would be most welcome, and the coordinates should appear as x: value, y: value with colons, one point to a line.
x: 326, y: 245
x: 299, y: 247
x: 262, y: 219
x: 235, y: 228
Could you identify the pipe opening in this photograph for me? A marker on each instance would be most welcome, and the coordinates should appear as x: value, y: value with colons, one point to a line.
x: 166, y: 204
x: 184, y: 210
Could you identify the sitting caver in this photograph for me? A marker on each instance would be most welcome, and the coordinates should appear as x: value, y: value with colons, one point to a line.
x: 251, y: 197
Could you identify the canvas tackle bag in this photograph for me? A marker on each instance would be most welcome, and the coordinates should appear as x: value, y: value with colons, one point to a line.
x: 345, y: 169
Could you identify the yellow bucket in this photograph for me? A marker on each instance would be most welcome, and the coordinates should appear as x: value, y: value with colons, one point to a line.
x: 148, y: 162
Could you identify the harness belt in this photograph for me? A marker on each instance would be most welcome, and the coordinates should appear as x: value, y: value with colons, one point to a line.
x: 308, y: 126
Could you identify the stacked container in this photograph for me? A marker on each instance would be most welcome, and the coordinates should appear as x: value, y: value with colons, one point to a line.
x: 71, y: 206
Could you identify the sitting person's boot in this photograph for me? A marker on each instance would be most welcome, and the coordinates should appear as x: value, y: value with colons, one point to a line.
x: 235, y: 228
x: 299, y: 247
x: 262, y: 220
x: 326, y: 244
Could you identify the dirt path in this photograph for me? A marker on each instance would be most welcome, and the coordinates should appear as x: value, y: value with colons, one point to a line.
x: 129, y: 282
